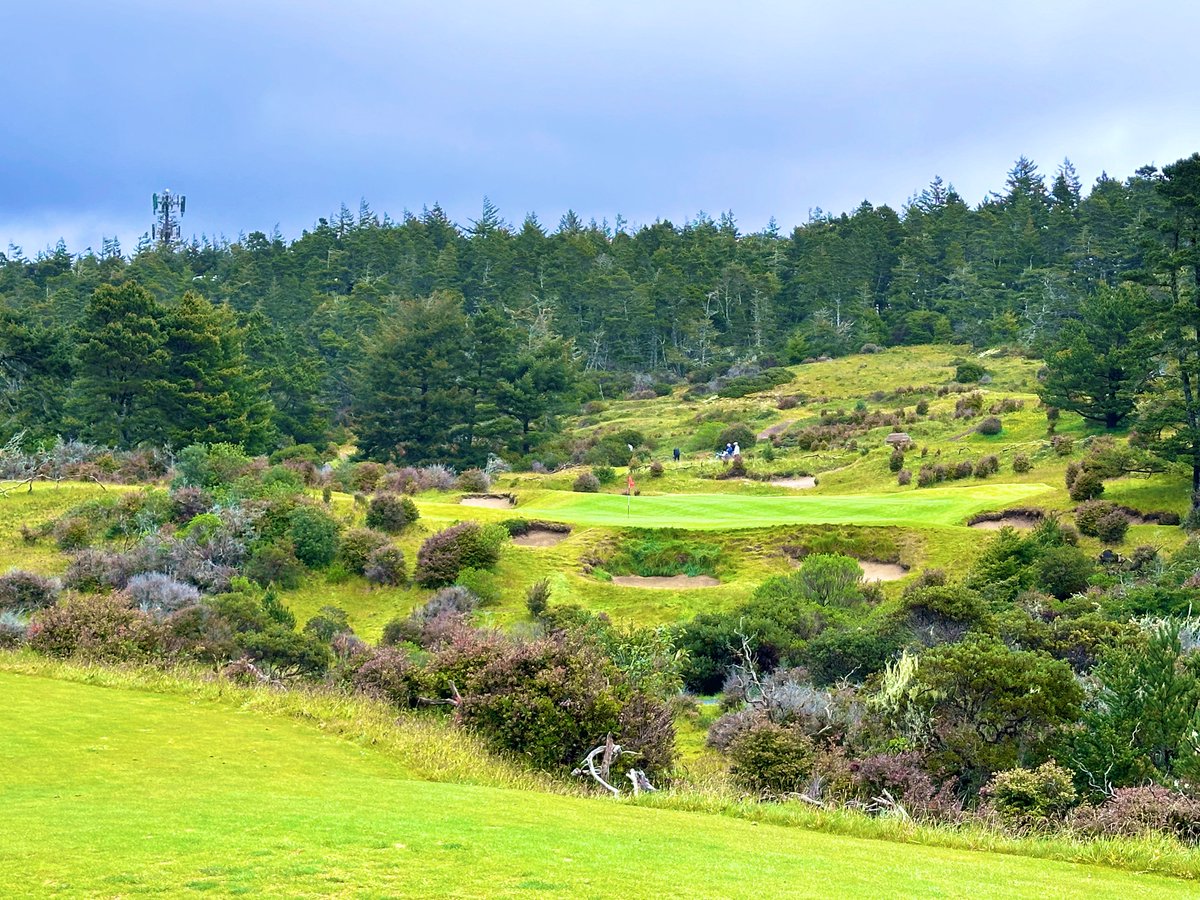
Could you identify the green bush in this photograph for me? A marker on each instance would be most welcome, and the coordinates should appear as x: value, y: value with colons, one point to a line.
x: 1063, y: 571
x: 987, y: 465
x: 357, y: 546
x: 474, y: 481
x: 314, y: 535
x: 1027, y: 797
x: 537, y: 597
x: 1021, y: 463
x: 209, y: 465
x: 736, y: 434
x: 829, y: 579
x: 285, y: 653
x: 663, y: 554
x: 387, y: 566
x: 896, y: 460
x: 1086, y: 486
x: 276, y: 563
x: 391, y: 513
x: 586, y: 483
x: 1089, y: 514
x: 329, y: 622
x: 752, y: 384
x: 101, y: 627
x: 966, y: 372
x: 771, y: 760
x: 466, y: 546
x: 604, y: 474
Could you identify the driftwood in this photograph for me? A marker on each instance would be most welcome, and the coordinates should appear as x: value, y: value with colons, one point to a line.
x: 600, y: 772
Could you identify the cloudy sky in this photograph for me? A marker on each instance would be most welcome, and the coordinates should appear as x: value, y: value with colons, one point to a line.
x: 274, y: 113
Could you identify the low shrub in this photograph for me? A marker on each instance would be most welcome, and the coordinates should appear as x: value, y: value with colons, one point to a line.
x: 1086, y: 486
x: 1063, y: 444
x: 160, y: 594
x: 896, y: 460
x: 187, y: 503
x: 966, y: 372
x: 276, y: 563
x: 537, y: 597
x: 285, y: 653
x: 26, y: 591
x: 389, y: 675
x: 990, y: 426
x: 356, y: 548
x: 739, y: 434
x: 922, y: 407
x: 391, y: 513
x: 904, y: 477
x: 604, y: 474
x: 771, y: 760
x: 1063, y: 571
x: 328, y: 623
x: 1112, y: 527
x: 314, y: 535
x: 1089, y: 514
x: 656, y: 469
x: 1132, y: 811
x: 102, y: 627
x: 586, y: 483
x: 1031, y: 797
x: 466, y: 546
x: 1021, y: 463
x: 986, y: 466
x: 386, y: 566
x: 474, y: 481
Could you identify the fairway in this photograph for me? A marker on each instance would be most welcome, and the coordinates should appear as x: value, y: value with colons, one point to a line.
x: 934, y: 506
x: 109, y: 791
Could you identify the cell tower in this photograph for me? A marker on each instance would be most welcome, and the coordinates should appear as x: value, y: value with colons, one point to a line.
x: 168, y: 208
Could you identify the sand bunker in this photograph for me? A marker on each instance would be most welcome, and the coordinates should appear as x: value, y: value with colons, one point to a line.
x: 877, y: 571
x: 767, y: 433
x: 489, y: 502
x: 803, y: 482
x: 662, y: 581
x: 1023, y: 522
x: 540, y: 537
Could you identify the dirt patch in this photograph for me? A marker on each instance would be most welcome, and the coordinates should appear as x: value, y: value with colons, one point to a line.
x: 801, y: 482
x: 489, y: 501
x: 1019, y: 522
x: 672, y: 582
x: 767, y: 433
x: 878, y: 571
x: 540, y: 537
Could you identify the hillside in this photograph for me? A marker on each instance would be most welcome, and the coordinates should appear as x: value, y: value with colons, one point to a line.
x: 199, y: 797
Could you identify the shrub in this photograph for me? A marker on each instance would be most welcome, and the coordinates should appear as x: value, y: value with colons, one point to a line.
x: 1086, y: 486
x: 987, y: 465
x: 390, y: 676
x: 1071, y: 473
x: 902, y: 776
x: 604, y: 474
x: 904, y: 477
x: 1089, y: 514
x: 752, y: 384
x: 187, y: 503
x: 1063, y: 571
x: 276, y: 563
x: 209, y: 465
x: 963, y: 469
x: 1032, y: 796
x: 1021, y: 463
x: 537, y: 597
x: 365, y: 476
x: 1112, y: 527
x: 474, y: 481
x: 788, y: 401
x: 926, y: 476
x: 12, y: 629
x: 467, y: 546
x: 896, y: 460
x: 991, y: 425
x: 967, y: 372
x: 656, y: 469
x: 96, y: 626
x: 1132, y: 811
x: 482, y: 584
x: 771, y: 760
x: 285, y: 653
x: 97, y: 570
x: 387, y: 566
x: 829, y: 579
x: 736, y: 434
x: 1064, y: 445
x: 586, y: 483
x: 329, y: 622
x: 737, y: 468
x: 159, y: 594
x: 26, y: 591
x: 391, y: 513
x: 356, y: 548
x: 314, y: 535
x: 72, y: 533
x: 922, y: 407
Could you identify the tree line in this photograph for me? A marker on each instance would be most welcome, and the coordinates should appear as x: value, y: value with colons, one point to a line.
x: 300, y: 327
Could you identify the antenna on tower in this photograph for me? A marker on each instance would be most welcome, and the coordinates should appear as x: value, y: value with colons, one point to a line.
x: 167, y: 209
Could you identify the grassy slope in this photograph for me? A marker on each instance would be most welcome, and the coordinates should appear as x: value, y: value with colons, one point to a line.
x: 198, y: 797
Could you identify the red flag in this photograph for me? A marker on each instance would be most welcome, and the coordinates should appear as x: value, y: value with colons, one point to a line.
x: 629, y: 481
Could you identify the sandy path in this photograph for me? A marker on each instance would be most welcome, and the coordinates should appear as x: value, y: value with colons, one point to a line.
x: 662, y: 581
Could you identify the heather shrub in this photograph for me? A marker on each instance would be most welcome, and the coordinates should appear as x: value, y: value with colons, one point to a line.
x: 1102, y: 519
x: 435, y: 478
x: 1071, y: 473
x: 391, y: 513
x: 739, y: 434
x: 314, y: 535
x: 1063, y: 444
x: 1132, y: 811
x: 656, y: 469
x: 364, y: 476
x: 72, y: 533
x: 97, y: 570
x: 787, y: 401
x: 356, y: 548
x: 990, y: 426
x: 160, y: 594
x: 726, y: 728
x: 12, y: 629
x: 390, y: 676
x: 771, y: 760
x: 466, y: 546
x: 1086, y: 486
x: 586, y: 483
x: 737, y: 468
x: 1021, y: 463
x: 922, y: 407
x: 1031, y: 797
x: 187, y: 503
x: 966, y: 372
x: 26, y: 591
x: 1112, y: 527
x: 963, y: 469
x: 987, y: 465
x: 386, y: 566
x: 902, y: 777
x: 904, y: 478
x: 896, y: 460
x: 199, y: 632
x: 96, y: 626
x: 474, y: 481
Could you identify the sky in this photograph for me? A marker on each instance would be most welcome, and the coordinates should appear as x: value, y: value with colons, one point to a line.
x: 272, y: 114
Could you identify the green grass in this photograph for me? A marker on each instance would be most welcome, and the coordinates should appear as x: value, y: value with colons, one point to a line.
x: 121, y: 791
x: 722, y: 512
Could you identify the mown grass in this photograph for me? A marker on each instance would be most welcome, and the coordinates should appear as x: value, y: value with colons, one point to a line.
x: 164, y: 783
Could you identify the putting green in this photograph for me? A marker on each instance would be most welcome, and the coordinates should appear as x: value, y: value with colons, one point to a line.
x: 934, y: 506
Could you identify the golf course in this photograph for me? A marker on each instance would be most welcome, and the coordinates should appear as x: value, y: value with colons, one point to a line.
x: 149, y: 793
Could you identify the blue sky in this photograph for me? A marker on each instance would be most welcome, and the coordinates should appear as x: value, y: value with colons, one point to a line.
x: 275, y: 113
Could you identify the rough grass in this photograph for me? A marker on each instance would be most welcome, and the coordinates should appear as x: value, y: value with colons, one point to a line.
x: 156, y: 783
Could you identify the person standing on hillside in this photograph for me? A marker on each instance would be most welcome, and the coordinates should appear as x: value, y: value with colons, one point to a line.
x: 675, y: 453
